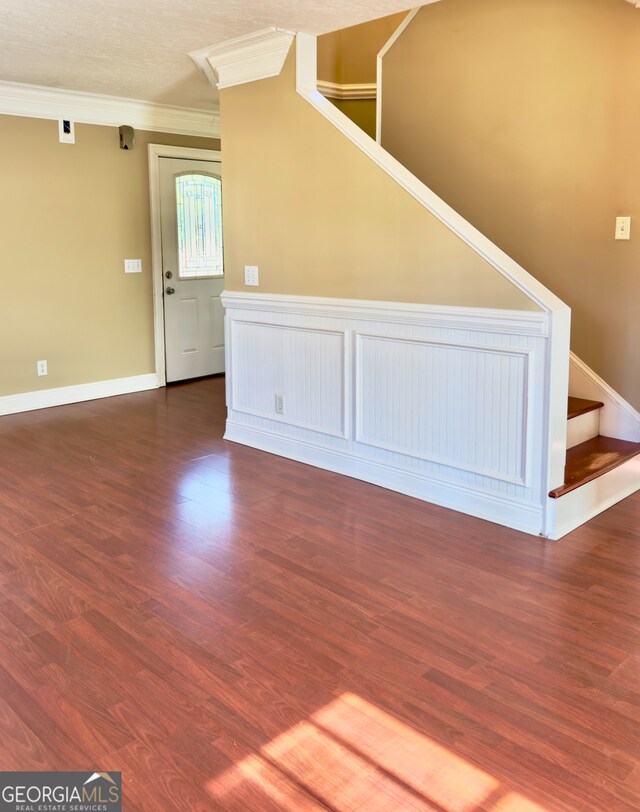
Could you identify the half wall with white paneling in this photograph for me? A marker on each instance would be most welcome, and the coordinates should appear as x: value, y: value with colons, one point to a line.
x: 444, y: 404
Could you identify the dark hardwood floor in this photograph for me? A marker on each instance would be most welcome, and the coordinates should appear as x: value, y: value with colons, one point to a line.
x: 235, y: 631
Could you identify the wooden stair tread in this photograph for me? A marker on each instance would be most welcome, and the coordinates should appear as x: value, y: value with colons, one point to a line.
x: 579, y: 406
x: 589, y: 460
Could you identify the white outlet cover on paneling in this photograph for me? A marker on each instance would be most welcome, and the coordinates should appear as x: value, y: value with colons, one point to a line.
x: 251, y: 275
x: 133, y: 266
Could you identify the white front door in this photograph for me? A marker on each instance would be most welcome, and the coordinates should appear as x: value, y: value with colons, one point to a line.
x: 192, y: 267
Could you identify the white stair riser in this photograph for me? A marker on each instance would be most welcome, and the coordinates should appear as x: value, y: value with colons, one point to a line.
x: 583, y: 428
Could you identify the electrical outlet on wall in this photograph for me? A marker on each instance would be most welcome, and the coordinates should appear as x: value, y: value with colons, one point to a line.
x: 133, y: 266
x: 251, y: 275
x: 279, y: 404
x: 42, y: 368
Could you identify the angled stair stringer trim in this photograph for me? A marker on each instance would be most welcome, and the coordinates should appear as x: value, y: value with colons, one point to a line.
x: 306, y: 86
x: 554, y: 436
x: 618, y: 418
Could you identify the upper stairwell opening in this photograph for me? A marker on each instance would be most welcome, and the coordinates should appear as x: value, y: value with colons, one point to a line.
x: 347, y: 68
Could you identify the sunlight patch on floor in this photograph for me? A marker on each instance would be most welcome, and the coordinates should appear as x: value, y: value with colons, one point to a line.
x: 352, y: 756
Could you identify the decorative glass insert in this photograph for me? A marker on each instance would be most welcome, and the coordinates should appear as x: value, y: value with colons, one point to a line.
x: 199, y: 217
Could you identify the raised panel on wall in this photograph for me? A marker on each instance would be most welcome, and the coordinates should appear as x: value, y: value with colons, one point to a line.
x: 304, y: 367
x: 189, y: 325
x: 457, y: 405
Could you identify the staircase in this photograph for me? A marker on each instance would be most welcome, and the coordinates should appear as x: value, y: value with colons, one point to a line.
x: 594, y: 461
x: 456, y: 399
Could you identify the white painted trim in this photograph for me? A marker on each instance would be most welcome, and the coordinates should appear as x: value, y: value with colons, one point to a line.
x: 556, y: 393
x: 38, y: 101
x: 519, y: 516
x: 332, y: 90
x: 45, y: 398
x: 244, y: 59
x: 618, y: 418
x: 518, y: 322
x: 306, y: 79
x: 389, y: 44
x: 157, y: 151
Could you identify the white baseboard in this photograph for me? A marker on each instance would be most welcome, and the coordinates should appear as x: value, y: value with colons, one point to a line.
x: 576, y: 507
x: 618, y: 418
x: 526, y: 518
x: 45, y: 398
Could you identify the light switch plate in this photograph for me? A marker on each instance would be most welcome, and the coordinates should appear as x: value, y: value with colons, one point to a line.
x: 133, y: 266
x: 623, y: 228
x: 251, y: 275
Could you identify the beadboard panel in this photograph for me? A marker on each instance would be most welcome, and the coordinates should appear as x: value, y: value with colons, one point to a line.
x: 303, y: 366
x: 443, y: 409
x: 421, y: 398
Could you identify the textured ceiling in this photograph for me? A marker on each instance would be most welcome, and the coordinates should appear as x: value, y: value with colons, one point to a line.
x: 138, y: 48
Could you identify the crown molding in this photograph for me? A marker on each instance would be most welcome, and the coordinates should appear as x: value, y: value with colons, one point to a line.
x: 244, y: 59
x: 332, y: 90
x: 37, y: 101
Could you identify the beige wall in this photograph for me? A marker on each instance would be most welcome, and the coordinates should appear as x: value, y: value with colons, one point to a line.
x: 70, y: 215
x: 320, y: 218
x: 523, y: 115
x: 349, y: 56
x: 361, y: 111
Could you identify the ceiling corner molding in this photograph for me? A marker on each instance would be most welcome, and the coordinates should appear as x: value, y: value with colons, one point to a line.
x: 244, y: 59
x: 37, y: 101
x: 332, y: 90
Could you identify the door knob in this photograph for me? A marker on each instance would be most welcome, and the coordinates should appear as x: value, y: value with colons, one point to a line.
x: 170, y: 291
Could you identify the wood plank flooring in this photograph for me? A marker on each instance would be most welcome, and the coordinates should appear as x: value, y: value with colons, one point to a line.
x: 236, y: 631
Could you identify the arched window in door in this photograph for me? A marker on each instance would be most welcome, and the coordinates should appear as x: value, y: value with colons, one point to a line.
x: 199, y: 218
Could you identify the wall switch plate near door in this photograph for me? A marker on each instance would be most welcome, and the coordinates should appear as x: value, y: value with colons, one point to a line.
x: 623, y: 228
x: 133, y: 266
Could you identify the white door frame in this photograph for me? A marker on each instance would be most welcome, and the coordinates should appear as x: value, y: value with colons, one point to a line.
x: 157, y: 151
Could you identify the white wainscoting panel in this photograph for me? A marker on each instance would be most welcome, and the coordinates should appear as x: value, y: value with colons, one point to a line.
x: 447, y: 405
x: 304, y: 367
x: 421, y: 398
